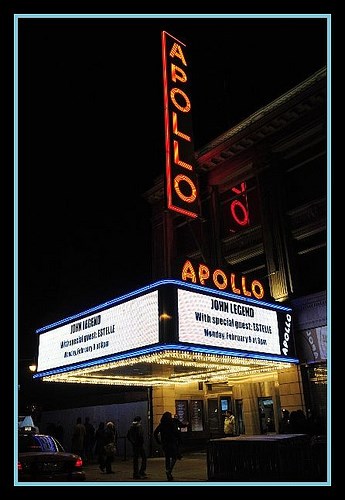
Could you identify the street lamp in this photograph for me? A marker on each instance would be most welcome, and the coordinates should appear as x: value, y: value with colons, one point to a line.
x: 33, y: 366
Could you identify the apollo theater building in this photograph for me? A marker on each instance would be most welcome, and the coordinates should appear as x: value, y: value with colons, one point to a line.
x: 235, y: 316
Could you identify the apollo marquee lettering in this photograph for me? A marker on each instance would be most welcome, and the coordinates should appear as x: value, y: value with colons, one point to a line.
x: 232, y: 282
x: 181, y: 179
x: 287, y: 328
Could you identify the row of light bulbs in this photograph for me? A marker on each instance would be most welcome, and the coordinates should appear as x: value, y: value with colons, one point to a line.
x: 208, y: 367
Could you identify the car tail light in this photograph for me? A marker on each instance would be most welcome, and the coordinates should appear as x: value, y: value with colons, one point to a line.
x: 79, y: 462
x: 20, y: 467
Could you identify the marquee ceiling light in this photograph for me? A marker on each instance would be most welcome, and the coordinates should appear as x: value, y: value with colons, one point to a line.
x: 151, y: 369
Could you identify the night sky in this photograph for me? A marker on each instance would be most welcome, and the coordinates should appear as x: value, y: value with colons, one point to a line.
x: 91, y: 140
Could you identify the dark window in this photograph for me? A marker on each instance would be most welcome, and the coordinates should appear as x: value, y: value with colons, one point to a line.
x: 306, y: 183
x: 213, y: 418
x: 188, y: 237
x: 312, y: 271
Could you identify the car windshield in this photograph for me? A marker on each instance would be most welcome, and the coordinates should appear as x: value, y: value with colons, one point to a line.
x: 38, y: 442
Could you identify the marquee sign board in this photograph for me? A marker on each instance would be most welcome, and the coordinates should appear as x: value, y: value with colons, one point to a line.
x: 213, y: 320
x: 119, y: 328
x: 167, y: 315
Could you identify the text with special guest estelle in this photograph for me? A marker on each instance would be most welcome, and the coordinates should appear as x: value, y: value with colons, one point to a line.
x: 237, y: 309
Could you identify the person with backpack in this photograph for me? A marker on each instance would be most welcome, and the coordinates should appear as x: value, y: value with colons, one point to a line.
x: 135, y: 435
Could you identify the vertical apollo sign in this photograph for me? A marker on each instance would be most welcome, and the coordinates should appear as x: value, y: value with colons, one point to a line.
x: 181, y: 179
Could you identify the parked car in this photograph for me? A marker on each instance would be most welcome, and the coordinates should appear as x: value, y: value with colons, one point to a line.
x: 26, y: 423
x: 42, y: 458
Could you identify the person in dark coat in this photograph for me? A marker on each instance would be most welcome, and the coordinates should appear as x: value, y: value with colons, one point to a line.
x: 179, y: 425
x: 89, y: 440
x: 284, y: 426
x: 167, y: 435
x: 109, y: 437
x: 99, y: 445
x: 135, y: 435
x: 78, y: 437
x: 298, y: 422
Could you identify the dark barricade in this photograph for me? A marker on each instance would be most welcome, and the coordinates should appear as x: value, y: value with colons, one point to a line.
x: 277, y: 458
x: 319, y: 457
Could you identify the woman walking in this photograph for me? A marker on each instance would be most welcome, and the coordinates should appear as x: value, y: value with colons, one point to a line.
x: 166, y: 434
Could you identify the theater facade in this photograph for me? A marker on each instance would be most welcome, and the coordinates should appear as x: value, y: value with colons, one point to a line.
x: 236, y: 314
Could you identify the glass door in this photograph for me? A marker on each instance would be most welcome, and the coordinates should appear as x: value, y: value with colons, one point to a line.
x: 213, y: 416
x: 266, y: 415
x: 240, y: 429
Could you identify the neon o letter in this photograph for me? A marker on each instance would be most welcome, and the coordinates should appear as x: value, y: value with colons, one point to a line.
x: 187, y: 106
x: 258, y: 285
x: 177, y: 180
x: 217, y: 273
x: 241, y: 222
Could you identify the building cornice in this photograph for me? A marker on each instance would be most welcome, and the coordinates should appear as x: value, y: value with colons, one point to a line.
x: 267, y: 120
x: 262, y: 124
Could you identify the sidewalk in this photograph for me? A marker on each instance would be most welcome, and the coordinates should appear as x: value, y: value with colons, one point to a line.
x: 191, y: 468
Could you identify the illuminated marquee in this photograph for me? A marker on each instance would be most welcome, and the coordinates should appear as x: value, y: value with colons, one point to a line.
x: 232, y: 282
x: 213, y: 320
x: 181, y: 178
x: 122, y: 327
x: 157, y: 322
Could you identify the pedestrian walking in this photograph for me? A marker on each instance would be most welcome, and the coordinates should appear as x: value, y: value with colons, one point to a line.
x: 78, y: 437
x: 179, y: 425
x: 166, y: 434
x: 89, y: 440
x: 135, y: 435
x: 99, y: 445
x: 109, y: 448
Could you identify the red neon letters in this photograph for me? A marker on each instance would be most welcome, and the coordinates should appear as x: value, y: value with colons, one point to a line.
x: 181, y: 179
x: 239, y: 207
